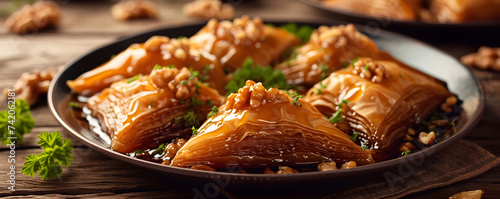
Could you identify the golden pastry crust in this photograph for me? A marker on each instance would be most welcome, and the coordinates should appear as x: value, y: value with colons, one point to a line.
x: 33, y: 18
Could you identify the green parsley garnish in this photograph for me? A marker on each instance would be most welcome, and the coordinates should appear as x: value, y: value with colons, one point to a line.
x: 345, y: 64
x: 303, y: 32
x: 294, y: 56
x: 214, y: 112
x: 191, y: 119
x: 151, y: 104
x: 354, y: 136
x: 157, y: 66
x: 176, y: 120
x: 405, y: 153
x: 343, y: 102
x: 269, y: 77
x: 74, y: 105
x: 56, y: 153
x: 364, y: 147
x: 195, y: 102
x: 295, y: 96
x: 401, y: 75
x: 21, y: 124
x: 160, y: 149
x: 354, y: 61
x: 336, y: 117
x: 133, y: 78
x: 324, y: 71
x: 195, y: 130
x: 180, y: 37
x: 365, y: 67
x: 320, y: 89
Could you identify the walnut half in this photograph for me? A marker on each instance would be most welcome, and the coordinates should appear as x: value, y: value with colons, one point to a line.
x: 30, y: 86
x: 133, y: 9
x: 33, y: 18
x: 207, y: 9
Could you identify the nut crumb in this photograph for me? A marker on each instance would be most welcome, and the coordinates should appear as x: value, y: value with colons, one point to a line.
x: 207, y: 9
x: 426, y: 138
x: 327, y: 166
x: 30, y: 86
x: 406, y: 146
x: 349, y: 165
x: 33, y: 18
x: 286, y: 170
x: 171, y: 149
x: 269, y: 171
x: 476, y: 194
x: 134, y: 9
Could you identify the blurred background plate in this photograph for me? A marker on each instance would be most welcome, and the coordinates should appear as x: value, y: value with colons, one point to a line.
x: 417, y: 54
x: 413, y: 28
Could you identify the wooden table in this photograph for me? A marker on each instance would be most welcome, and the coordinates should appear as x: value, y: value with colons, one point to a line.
x: 86, y: 26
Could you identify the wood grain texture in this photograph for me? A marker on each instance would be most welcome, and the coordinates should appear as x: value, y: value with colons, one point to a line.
x: 88, y: 25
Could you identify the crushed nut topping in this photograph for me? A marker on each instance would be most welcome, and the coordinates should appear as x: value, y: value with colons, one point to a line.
x: 31, y: 85
x: 207, y: 9
x: 406, y: 146
x: 202, y: 167
x: 338, y: 36
x: 286, y: 170
x: 242, y: 31
x: 179, y: 81
x: 254, y: 94
x: 349, y: 165
x: 485, y: 58
x: 426, y: 138
x: 33, y: 18
x: 411, y: 131
x: 171, y: 149
x: 368, y: 69
x: 447, y: 106
x: 327, y: 166
x: 476, y: 194
x: 133, y: 9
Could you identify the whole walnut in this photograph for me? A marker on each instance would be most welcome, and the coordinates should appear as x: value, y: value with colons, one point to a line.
x: 33, y: 18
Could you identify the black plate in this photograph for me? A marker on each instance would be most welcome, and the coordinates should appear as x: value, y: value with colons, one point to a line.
x: 405, y: 26
x: 422, y: 56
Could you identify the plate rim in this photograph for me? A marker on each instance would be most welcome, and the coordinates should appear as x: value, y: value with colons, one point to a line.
x: 307, y: 176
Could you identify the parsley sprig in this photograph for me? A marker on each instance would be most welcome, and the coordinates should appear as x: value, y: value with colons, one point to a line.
x: 337, y: 116
x: 214, y: 112
x: 269, y: 77
x: 303, y: 32
x: 56, y: 153
x: 21, y: 124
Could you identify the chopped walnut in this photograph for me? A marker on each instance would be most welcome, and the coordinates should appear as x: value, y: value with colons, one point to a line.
x: 406, y: 146
x: 349, y: 165
x: 242, y: 31
x: 132, y: 9
x: 202, y: 167
x: 485, y: 58
x: 448, y: 104
x: 171, y: 149
x: 476, y: 194
x: 327, y: 166
x: 33, y: 18
x: 337, y: 36
x: 207, y: 9
x: 426, y: 138
x: 286, y: 170
x: 411, y: 131
x: 269, y: 171
x: 368, y: 69
x: 408, y: 138
x: 254, y: 94
x: 30, y: 86
x: 179, y: 81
